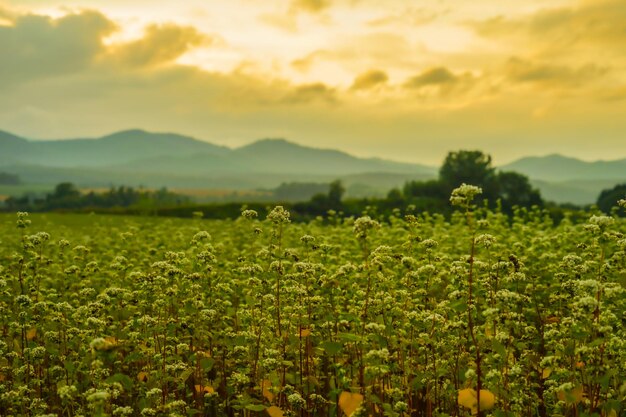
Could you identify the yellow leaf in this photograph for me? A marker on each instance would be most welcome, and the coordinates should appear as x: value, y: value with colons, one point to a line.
x: 274, y: 411
x: 305, y: 332
x: 31, y: 334
x: 612, y: 413
x: 573, y: 396
x: 265, y: 387
x: 142, y: 376
x: 349, y: 402
x: 546, y: 373
x: 111, y: 340
x: 467, y: 398
x: 208, y: 389
x: 489, y: 331
x: 487, y: 399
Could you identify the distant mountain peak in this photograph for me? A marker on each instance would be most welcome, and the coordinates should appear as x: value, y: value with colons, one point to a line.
x: 129, y: 132
x: 557, y: 167
x: 552, y: 157
x: 271, y: 142
x: 142, y: 134
x: 6, y: 136
x: 272, y: 145
x: 275, y: 140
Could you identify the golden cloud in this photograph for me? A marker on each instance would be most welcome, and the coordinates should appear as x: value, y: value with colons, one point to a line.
x: 561, y: 31
x: 432, y: 76
x: 369, y: 80
x: 39, y: 46
x: 366, y: 51
x: 161, y: 44
x: 309, y: 6
x: 6, y: 16
x: 288, y: 19
x: 617, y: 93
x: 410, y: 16
x: 286, y: 22
x: 523, y: 71
x: 310, y: 93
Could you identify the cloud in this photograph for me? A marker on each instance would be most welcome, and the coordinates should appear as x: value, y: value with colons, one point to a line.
x: 369, y: 80
x: 371, y: 50
x: 409, y: 16
x: 432, y: 76
x: 161, y: 44
x: 286, y: 22
x: 523, y: 71
x: 6, y: 16
x: 305, y: 63
x: 42, y: 47
x: 309, y: 93
x: 39, y: 46
x: 562, y: 31
x: 309, y: 6
x: 617, y: 93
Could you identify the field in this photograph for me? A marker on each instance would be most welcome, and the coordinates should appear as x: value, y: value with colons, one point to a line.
x: 412, y: 315
x: 7, y: 191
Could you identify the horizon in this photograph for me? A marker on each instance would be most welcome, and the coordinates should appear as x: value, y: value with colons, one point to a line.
x: 368, y: 78
x: 289, y: 141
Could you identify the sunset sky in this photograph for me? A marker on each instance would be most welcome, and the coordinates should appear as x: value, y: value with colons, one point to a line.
x: 399, y: 79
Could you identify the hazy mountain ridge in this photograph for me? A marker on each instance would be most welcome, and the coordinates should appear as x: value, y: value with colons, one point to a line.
x: 117, y: 148
x: 144, y: 152
x: 136, y: 157
x: 561, y: 168
x: 565, y: 179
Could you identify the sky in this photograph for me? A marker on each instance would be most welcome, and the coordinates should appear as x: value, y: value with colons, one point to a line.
x: 407, y: 80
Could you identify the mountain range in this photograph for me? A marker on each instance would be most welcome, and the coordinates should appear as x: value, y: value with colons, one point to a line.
x: 137, y: 157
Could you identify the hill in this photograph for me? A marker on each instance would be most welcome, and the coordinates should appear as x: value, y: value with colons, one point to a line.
x: 569, y: 180
x: 561, y: 168
x: 137, y: 157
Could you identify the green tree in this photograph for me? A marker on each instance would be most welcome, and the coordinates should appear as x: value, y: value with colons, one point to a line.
x: 9, y: 179
x: 336, y: 191
x: 65, y: 195
x: 426, y: 189
x: 514, y: 189
x: 469, y: 167
x: 608, y: 198
x: 65, y: 190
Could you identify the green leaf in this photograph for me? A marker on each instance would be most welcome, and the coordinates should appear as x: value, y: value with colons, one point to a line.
x: 124, y: 380
x: 255, y: 407
x: 350, y: 337
x: 459, y: 306
x: 499, y: 348
x: 207, y: 364
x: 331, y: 348
x: 185, y: 375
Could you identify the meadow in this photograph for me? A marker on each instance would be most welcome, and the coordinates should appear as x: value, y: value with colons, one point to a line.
x: 407, y: 315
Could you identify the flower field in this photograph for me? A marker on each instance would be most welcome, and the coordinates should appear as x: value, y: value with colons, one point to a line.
x: 412, y: 315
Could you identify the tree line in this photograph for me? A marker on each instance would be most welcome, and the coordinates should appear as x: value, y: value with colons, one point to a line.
x: 66, y: 196
x: 502, y: 190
